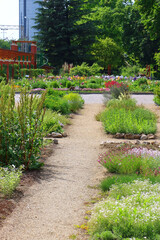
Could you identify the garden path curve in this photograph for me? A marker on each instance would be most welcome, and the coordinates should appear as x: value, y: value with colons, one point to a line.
x: 52, y: 207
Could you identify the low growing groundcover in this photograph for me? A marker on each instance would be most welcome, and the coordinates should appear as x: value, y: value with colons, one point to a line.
x: 121, y: 116
x: 131, y: 211
x: 131, y: 207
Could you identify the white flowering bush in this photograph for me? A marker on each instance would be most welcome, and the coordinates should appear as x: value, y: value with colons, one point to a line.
x: 9, y: 179
x: 132, y: 211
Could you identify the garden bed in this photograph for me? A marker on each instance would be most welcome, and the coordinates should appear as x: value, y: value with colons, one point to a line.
x: 7, y: 205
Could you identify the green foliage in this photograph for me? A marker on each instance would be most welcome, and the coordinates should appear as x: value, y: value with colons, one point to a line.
x: 92, y: 85
x: 32, y: 72
x: 85, y: 70
x: 106, y: 235
x: 150, y: 12
x: 107, y: 52
x: 54, y: 84
x: 130, y: 212
x: 54, y: 122
x: 116, y: 92
x: 134, y: 161
x: 126, y: 103
x: 9, y: 179
x: 75, y: 101
x: 157, y: 95
x: 65, y: 104
x: 69, y: 84
x: 125, y: 120
x: 157, y: 58
x: 20, y: 128
x: 130, y: 71
x: 39, y: 84
x: 57, y: 104
x: 65, y: 30
x: 142, y: 81
x: 107, y: 183
x: 5, y: 44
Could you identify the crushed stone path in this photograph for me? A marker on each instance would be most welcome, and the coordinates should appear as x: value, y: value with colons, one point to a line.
x: 53, y: 206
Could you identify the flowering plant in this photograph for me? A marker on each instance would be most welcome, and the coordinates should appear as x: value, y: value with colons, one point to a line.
x: 112, y: 83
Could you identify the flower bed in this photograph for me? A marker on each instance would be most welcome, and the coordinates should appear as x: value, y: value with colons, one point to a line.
x: 130, y: 209
x: 92, y: 83
x: 123, y: 116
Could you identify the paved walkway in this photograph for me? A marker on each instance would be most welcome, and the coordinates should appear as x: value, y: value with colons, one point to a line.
x: 99, y: 98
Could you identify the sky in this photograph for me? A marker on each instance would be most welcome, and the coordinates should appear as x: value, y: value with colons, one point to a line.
x: 9, y: 15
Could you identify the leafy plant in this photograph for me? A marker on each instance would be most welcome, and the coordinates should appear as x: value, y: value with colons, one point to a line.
x: 9, y: 179
x: 20, y: 128
x: 39, y: 84
x: 54, y: 122
x: 75, y: 101
x: 130, y: 211
x: 135, y: 161
x: 85, y: 70
x: 130, y: 71
x: 107, y: 183
x: 124, y: 117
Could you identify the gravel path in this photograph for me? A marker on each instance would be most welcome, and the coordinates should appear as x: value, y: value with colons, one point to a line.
x: 52, y: 207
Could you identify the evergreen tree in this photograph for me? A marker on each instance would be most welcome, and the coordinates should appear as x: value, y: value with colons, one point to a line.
x: 65, y: 32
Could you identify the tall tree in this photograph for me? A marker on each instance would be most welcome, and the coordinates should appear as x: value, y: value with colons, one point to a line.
x: 65, y: 32
x: 136, y: 39
x: 150, y: 12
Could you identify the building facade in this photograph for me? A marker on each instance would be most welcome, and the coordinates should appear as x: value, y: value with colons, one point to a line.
x: 27, y: 14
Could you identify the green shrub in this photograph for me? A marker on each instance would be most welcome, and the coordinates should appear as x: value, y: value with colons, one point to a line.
x: 39, y: 84
x: 93, y: 85
x: 126, y: 103
x: 125, y: 120
x: 142, y: 81
x: 157, y: 95
x: 54, y: 93
x: 75, y: 101
x: 85, y: 70
x: 69, y: 84
x: 54, y: 84
x: 20, y: 128
x: 31, y: 72
x: 54, y: 122
x: 130, y: 71
x: 57, y: 104
x: 117, y: 91
x: 9, y: 179
x: 51, y: 125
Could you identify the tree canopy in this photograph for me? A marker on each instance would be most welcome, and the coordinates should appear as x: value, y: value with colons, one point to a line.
x: 104, y: 31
